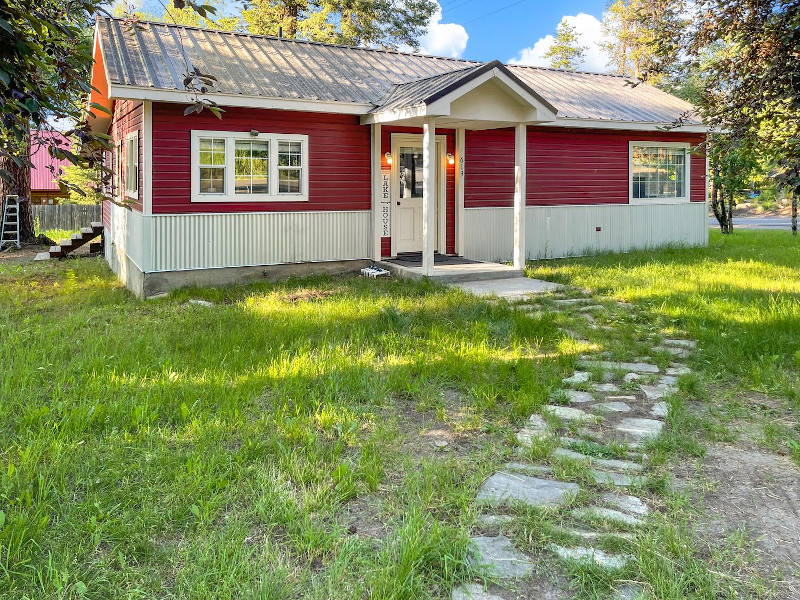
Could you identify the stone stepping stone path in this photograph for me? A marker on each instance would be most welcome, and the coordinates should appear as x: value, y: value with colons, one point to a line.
x: 593, y: 472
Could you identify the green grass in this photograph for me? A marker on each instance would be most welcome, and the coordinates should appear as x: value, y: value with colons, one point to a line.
x: 740, y: 298
x: 57, y: 234
x: 275, y: 445
x: 165, y: 449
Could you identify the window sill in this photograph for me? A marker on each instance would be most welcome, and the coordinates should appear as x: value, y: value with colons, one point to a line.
x: 132, y: 195
x: 225, y: 199
x: 646, y: 201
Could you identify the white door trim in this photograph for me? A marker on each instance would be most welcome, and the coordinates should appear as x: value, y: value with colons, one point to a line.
x: 415, y: 139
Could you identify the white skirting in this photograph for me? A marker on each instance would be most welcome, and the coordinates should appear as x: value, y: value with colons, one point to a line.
x: 207, y: 241
x: 559, y: 231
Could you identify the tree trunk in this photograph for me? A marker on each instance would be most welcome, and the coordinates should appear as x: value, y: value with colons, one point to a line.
x: 19, y: 185
x: 794, y: 214
x: 730, y: 211
x: 718, y: 206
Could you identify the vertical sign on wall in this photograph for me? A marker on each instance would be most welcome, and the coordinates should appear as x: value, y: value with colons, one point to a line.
x: 386, y: 203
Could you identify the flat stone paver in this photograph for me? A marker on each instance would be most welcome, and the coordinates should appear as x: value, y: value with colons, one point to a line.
x: 608, y: 514
x: 535, y: 430
x: 608, y: 561
x: 606, y: 388
x: 608, y: 463
x: 690, y: 344
x: 592, y: 536
x: 628, y: 503
x: 633, y: 367
x: 566, y: 413
x: 517, y: 288
x: 494, y: 520
x: 499, y: 556
x: 679, y: 352
x: 578, y: 397
x: 631, y: 377
x: 660, y: 409
x: 606, y: 407
x: 516, y: 467
x: 505, y: 487
x: 616, y: 479
x: 473, y: 591
x: 569, y: 301
x: 576, y: 377
x: 640, y: 429
x: 677, y: 370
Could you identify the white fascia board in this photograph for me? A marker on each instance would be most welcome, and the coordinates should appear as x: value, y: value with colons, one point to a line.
x: 128, y: 92
x: 392, y: 116
x: 625, y: 125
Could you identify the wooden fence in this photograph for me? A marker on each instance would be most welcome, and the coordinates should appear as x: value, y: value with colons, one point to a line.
x: 65, y: 216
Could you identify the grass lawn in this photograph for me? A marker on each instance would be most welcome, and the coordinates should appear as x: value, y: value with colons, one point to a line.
x: 287, y: 441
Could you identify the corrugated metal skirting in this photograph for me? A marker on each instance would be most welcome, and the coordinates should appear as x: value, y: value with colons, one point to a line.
x: 559, y: 231
x: 180, y: 242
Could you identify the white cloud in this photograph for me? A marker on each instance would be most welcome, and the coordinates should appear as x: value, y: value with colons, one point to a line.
x: 590, y: 35
x: 443, y: 39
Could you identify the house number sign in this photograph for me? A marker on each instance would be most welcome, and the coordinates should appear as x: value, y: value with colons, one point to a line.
x: 386, y: 203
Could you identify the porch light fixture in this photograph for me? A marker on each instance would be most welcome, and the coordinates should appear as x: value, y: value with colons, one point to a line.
x: 388, y: 157
x: 451, y: 160
x: 254, y: 132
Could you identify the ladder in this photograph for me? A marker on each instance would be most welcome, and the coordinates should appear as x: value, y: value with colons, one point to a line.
x: 9, y: 233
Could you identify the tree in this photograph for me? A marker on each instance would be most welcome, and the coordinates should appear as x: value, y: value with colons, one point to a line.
x: 84, y: 184
x: 384, y: 23
x: 733, y: 165
x: 185, y: 15
x: 45, y: 57
x: 750, y: 81
x: 566, y: 52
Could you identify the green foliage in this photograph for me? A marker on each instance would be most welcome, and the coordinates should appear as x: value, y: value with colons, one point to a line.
x: 85, y: 184
x: 187, y: 15
x: 566, y: 52
x: 385, y: 23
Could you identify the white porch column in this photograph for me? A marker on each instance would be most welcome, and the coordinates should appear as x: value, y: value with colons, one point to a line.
x: 376, y: 191
x: 429, y: 187
x: 520, y: 174
x: 460, y: 213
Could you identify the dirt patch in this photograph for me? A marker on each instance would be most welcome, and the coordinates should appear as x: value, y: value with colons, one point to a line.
x: 760, y: 493
x: 27, y: 253
x: 307, y: 295
x: 361, y: 517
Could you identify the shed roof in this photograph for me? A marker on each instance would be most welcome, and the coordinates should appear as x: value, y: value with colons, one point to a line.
x: 46, y: 168
x: 157, y: 55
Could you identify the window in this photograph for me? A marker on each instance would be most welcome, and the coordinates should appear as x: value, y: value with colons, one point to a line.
x: 659, y: 172
x: 249, y: 167
x: 132, y: 165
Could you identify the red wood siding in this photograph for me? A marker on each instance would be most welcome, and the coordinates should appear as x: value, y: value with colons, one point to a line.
x: 128, y: 117
x: 338, y: 156
x: 450, y: 185
x: 565, y: 166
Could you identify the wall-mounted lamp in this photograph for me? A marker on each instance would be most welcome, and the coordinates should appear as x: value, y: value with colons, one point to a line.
x: 388, y: 157
x: 451, y: 160
x: 254, y: 132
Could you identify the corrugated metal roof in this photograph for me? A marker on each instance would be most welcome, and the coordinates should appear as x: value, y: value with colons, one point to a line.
x: 158, y: 55
x: 42, y: 178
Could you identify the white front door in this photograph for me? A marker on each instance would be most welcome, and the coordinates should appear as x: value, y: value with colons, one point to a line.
x: 407, y: 192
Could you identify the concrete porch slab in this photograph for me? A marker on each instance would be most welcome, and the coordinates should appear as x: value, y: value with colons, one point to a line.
x: 456, y: 272
x: 519, y: 288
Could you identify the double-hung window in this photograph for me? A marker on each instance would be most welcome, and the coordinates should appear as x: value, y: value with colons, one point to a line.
x: 659, y: 172
x: 249, y: 166
x: 132, y: 165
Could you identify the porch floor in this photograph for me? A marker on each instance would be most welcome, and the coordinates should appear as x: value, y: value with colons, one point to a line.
x: 452, y: 269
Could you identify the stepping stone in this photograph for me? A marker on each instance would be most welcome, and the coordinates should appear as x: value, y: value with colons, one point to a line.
x: 617, y: 479
x: 631, y: 377
x: 640, y: 430
x: 200, y: 302
x: 678, y: 370
x: 629, y: 591
x: 628, y: 503
x: 528, y: 469
x: 617, y: 465
x: 570, y: 301
x: 499, y: 557
x: 591, y: 308
x: 494, y: 520
x: 577, y: 377
x: 566, y: 413
x: 634, y: 367
x: 536, y: 430
x: 660, y: 410
x: 679, y: 352
x: 606, y: 387
x: 668, y: 381
x: 605, y: 407
x: 473, y: 591
x: 578, y: 397
x: 609, y: 514
x: 690, y: 344
x: 608, y: 561
x: 593, y: 536
x: 501, y: 488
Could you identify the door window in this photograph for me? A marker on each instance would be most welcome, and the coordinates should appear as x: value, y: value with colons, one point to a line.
x: 410, y: 172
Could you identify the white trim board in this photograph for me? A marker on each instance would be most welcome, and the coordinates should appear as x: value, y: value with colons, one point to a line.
x: 687, y: 174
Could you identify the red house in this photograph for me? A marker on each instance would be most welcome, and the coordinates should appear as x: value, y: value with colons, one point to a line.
x: 329, y: 156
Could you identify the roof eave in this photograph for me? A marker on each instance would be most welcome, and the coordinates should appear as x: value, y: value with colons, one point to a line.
x: 628, y: 125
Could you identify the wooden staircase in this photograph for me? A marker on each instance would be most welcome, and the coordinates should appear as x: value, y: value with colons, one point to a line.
x: 77, y: 240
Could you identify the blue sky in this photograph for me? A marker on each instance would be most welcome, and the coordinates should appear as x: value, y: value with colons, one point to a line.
x: 513, y: 29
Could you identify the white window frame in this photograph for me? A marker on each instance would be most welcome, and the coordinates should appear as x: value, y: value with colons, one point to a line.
x: 688, y: 168
x: 230, y: 194
x: 132, y: 192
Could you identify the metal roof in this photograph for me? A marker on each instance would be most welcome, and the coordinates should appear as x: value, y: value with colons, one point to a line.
x: 157, y: 55
x: 46, y: 168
